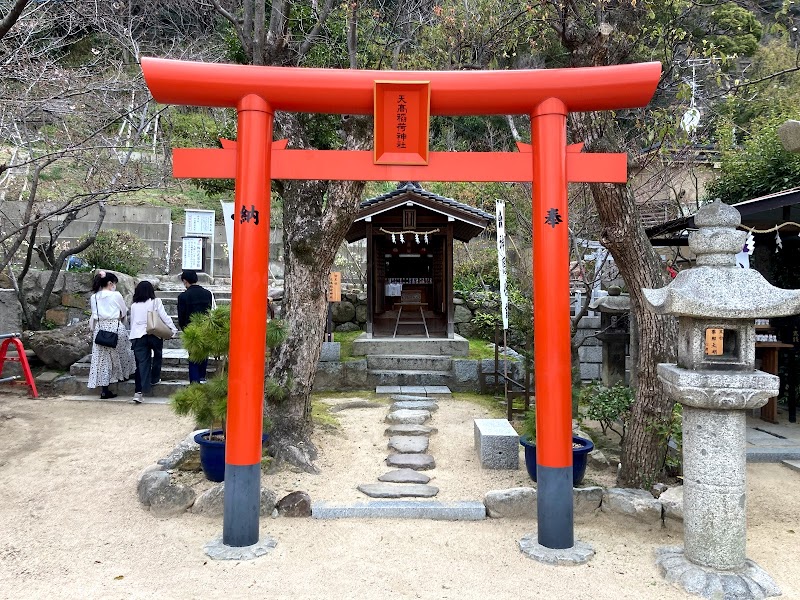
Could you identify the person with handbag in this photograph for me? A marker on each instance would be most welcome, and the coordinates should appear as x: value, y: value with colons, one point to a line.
x: 112, y: 357
x: 150, y: 326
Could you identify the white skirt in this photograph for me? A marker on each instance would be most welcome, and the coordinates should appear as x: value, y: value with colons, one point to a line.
x: 110, y: 365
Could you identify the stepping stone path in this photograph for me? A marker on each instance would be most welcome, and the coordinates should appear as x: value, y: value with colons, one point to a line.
x: 428, y: 405
x: 397, y: 490
x: 404, y: 476
x: 404, y: 444
x: 408, y: 417
x: 408, y: 441
x: 418, y: 462
x: 409, y: 430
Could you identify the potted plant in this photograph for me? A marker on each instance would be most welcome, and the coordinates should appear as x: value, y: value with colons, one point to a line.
x: 580, y: 449
x: 208, y: 336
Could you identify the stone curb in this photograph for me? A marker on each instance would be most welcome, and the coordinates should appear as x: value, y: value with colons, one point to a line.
x: 467, y: 510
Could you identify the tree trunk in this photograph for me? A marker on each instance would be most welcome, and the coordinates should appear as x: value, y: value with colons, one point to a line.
x: 316, y: 217
x: 644, y: 447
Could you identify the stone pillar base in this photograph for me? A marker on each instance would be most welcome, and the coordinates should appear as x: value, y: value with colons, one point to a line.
x: 578, y: 554
x: 749, y: 582
x: 217, y: 550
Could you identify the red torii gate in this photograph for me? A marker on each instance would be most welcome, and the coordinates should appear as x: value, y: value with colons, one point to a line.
x: 546, y: 95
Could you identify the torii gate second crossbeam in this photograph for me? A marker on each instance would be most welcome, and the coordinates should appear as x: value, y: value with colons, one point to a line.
x: 401, y: 102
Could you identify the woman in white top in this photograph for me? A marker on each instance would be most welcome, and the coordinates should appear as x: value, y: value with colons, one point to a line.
x: 147, y: 348
x: 109, y: 365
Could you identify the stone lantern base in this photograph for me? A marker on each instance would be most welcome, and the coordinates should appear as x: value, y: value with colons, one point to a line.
x: 751, y: 582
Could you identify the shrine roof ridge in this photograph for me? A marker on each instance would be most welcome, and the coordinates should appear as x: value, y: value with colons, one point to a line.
x: 410, y: 187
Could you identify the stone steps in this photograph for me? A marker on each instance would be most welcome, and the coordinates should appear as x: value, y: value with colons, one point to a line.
x: 174, y: 376
x: 168, y: 373
x: 78, y: 386
x: 386, y: 346
x: 410, y: 377
x: 409, y: 362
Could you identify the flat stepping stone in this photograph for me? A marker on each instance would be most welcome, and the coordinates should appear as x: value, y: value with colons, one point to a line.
x: 428, y: 405
x: 409, y: 430
x: 398, y: 490
x: 404, y: 397
x: 405, y: 416
x: 404, y: 444
x: 354, y: 404
x: 418, y: 462
x: 404, y: 476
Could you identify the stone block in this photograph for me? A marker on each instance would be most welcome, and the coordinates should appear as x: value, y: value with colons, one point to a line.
x: 401, y: 509
x: 638, y: 504
x: 295, y: 504
x: 789, y: 133
x: 497, y: 443
x: 672, y: 501
x: 328, y: 376
x: 462, y: 314
x: 331, y: 352
x: 57, y: 316
x: 590, y: 354
x: 73, y: 300
x: 585, y: 501
x: 10, y: 312
x: 387, y: 390
x: 511, y: 503
x: 398, y: 490
x: 355, y: 374
x: 342, y: 312
x: 465, y: 370
x: 590, y: 371
x: 47, y: 377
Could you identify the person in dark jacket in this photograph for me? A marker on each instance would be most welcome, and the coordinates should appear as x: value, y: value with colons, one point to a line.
x: 196, y: 299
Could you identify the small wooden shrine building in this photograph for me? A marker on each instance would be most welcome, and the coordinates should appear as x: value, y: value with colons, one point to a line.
x: 410, y: 234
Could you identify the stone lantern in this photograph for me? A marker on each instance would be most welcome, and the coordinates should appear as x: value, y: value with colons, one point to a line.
x: 715, y: 380
x: 614, y: 333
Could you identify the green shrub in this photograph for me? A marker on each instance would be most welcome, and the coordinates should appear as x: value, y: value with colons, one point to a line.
x: 206, y: 336
x: 611, y: 407
x: 117, y: 251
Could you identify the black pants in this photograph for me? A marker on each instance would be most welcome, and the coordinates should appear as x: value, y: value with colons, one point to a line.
x: 147, y: 350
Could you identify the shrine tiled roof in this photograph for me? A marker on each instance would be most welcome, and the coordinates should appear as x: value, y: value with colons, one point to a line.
x: 409, y: 187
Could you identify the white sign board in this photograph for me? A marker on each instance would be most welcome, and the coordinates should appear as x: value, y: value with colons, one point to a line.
x: 199, y: 223
x: 501, y: 258
x: 192, y: 254
x: 227, y: 217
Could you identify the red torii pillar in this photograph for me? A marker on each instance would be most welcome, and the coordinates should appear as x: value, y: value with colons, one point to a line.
x: 546, y: 95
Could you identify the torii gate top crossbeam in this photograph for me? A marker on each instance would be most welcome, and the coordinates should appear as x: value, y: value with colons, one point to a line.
x: 348, y: 91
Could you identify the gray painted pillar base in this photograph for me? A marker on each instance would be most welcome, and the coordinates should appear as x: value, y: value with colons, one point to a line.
x: 554, y: 506
x: 241, y: 505
x: 746, y: 583
x: 580, y: 553
x: 714, y: 493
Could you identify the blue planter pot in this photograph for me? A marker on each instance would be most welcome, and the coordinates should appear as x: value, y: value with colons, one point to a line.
x: 579, y: 457
x: 212, y: 454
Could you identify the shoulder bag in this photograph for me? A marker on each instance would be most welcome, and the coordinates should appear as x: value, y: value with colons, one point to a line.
x: 105, y: 338
x: 155, y: 325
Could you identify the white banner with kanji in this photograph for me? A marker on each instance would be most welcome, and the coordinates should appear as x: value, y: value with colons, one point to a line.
x: 501, y: 258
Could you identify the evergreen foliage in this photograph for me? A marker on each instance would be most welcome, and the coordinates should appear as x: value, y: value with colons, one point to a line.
x: 207, y: 336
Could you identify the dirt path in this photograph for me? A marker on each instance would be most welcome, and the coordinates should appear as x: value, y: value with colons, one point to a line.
x: 73, y: 528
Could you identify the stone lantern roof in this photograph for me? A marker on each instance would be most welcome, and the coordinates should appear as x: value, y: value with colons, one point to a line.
x: 616, y: 303
x: 717, y: 287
